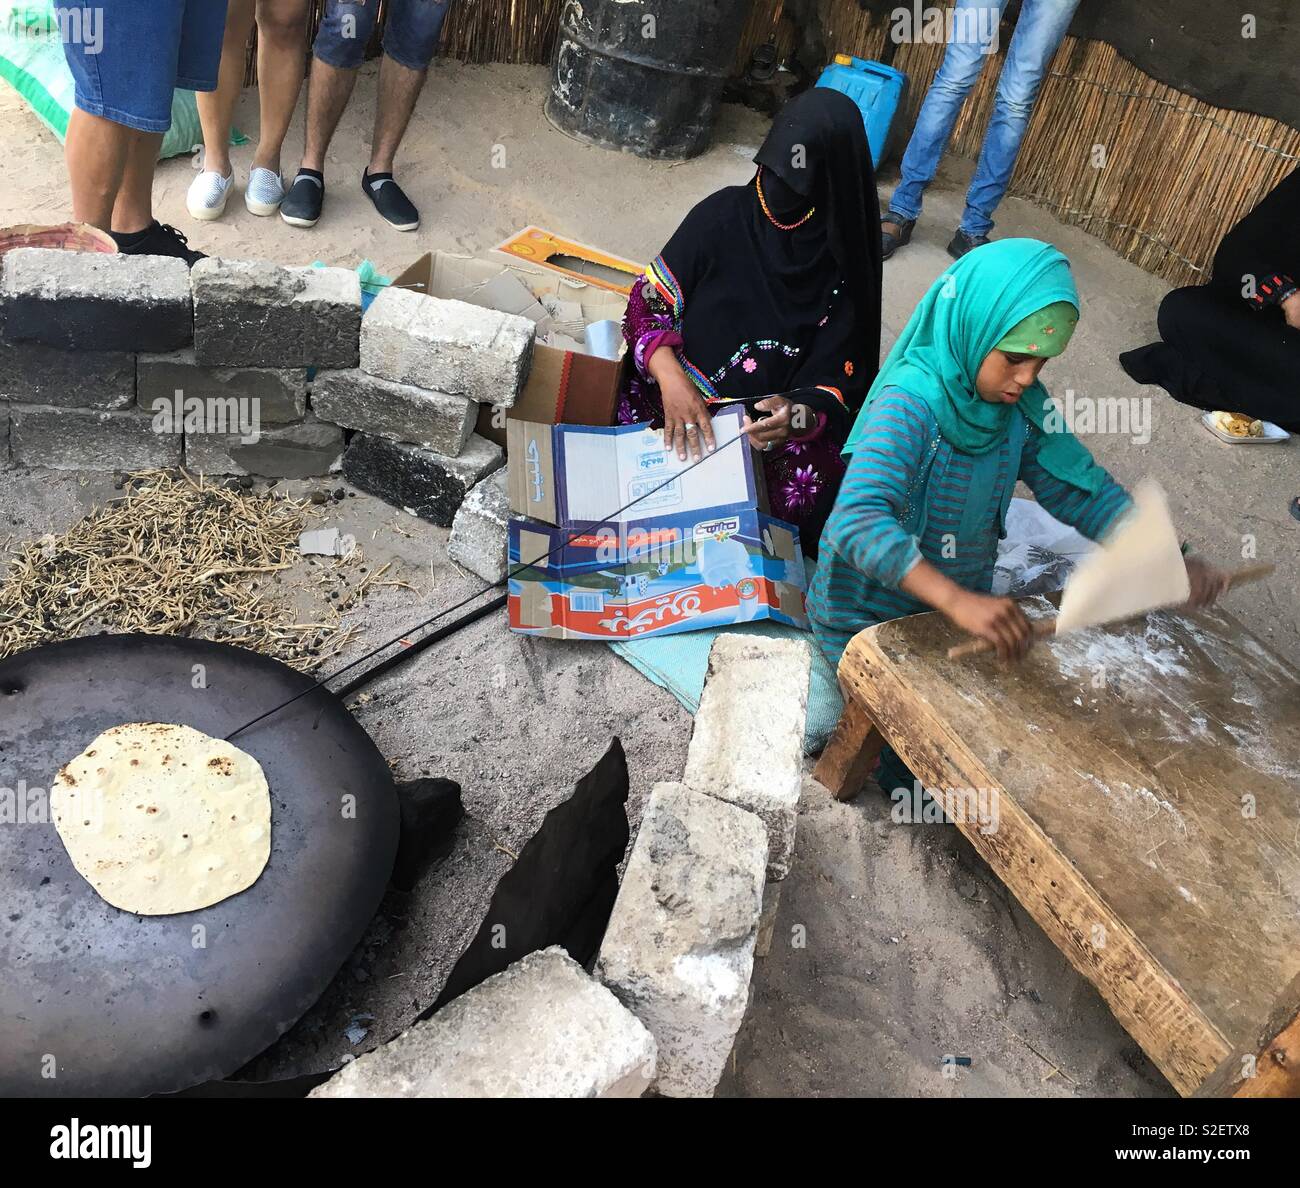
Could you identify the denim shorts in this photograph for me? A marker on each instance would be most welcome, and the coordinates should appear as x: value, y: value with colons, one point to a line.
x: 128, y: 56
x: 410, y: 37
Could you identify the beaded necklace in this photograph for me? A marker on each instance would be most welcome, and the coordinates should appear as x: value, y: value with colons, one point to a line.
x: 762, y: 201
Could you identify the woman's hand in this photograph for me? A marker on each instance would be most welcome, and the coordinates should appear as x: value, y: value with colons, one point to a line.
x: 1291, y: 311
x: 998, y: 620
x: 1207, y: 581
x: 687, y: 420
x: 688, y: 424
x: 774, y: 430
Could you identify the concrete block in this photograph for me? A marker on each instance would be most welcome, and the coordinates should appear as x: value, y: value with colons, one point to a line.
x: 274, y: 395
x: 303, y: 450
x: 679, y: 950
x: 251, y: 313
x: 747, y: 745
x: 31, y: 373
x: 400, y: 412
x: 96, y: 301
x: 479, y: 533
x: 541, y: 1028
x: 432, y: 485
x: 446, y: 346
x: 88, y: 439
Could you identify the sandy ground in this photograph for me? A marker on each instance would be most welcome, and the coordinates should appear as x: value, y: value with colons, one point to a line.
x: 913, y: 950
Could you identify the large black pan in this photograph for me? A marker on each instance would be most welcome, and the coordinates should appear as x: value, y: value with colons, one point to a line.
x: 96, y: 1001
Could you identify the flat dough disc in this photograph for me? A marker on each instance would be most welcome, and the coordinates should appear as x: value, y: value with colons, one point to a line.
x: 1138, y: 568
x: 162, y: 819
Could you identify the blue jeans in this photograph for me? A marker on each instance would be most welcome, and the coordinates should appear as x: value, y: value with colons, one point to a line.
x: 127, y: 57
x: 411, y: 34
x: 1039, y: 32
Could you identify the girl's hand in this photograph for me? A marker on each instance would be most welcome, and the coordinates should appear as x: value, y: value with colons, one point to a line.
x: 1207, y: 581
x: 687, y: 421
x: 774, y: 430
x: 999, y: 620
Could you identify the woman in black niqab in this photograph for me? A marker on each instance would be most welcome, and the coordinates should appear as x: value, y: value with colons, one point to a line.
x: 769, y: 293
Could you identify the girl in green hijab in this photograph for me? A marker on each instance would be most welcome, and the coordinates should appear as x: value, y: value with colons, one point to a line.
x: 956, y: 416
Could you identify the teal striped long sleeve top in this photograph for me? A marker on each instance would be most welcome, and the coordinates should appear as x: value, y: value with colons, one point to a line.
x: 908, y: 494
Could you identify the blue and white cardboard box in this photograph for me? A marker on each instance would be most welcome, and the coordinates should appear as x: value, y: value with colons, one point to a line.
x: 693, y: 550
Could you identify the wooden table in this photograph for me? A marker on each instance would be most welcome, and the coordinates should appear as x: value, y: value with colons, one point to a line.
x: 1139, y: 793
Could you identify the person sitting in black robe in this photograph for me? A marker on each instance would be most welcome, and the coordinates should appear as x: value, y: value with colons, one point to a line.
x: 1234, y: 343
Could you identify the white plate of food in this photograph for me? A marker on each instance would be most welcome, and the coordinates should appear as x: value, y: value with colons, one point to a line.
x: 1239, y: 429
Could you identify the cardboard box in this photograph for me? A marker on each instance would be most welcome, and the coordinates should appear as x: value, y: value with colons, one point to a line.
x: 564, y: 385
x: 694, y: 548
x: 577, y: 261
x: 661, y: 576
x: 567, y: 474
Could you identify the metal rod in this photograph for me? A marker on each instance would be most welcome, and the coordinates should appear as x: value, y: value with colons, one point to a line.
x: 479, y: 612
x: 411, y: 649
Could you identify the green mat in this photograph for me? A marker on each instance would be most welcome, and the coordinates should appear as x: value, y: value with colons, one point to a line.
x: 679, y: 664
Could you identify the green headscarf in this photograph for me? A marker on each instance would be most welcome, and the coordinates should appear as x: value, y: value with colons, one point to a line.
x: 963, y: 317
x: 1045, y: 333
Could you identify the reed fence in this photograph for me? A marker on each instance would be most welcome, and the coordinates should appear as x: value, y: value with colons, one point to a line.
x: 1154, y: 173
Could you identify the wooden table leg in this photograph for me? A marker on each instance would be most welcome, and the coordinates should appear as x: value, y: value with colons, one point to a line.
x: 850, y: 753
x: 1270, y: 1067
x: 1277, y: 1067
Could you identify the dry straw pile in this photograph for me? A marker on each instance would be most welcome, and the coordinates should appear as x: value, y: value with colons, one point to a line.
x: 177, y: 555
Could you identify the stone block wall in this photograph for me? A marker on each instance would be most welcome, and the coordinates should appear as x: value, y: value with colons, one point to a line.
x: 114, y: 363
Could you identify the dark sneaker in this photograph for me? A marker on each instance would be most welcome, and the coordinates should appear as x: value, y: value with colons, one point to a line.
x: 160, y: 239
x: 963, y: 243
x: 302, y: 204
x: 398, y: 210
x: 890, y: 243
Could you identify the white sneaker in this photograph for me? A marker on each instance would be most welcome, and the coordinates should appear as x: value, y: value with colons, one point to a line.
x: 264, y: 192
x: 207, y: 195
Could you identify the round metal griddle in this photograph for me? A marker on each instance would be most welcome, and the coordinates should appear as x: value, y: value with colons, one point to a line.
x: 121, y: 1005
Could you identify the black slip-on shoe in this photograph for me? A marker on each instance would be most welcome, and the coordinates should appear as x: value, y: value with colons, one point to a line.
x: 392, y: 203
x: 890, y: 243
x: 963, y: 243
x: 161, y: 239
x: 302, y: 204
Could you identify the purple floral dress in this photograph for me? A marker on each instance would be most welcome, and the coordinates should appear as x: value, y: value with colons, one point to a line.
x: 802, y: 475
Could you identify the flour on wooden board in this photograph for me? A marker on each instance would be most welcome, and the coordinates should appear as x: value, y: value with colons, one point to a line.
x: 1146, y: 662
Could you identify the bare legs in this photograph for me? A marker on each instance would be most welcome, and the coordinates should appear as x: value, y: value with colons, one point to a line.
x: 133, y: 210
x: 110, y: 169
x: 328, y: 95
x: 217, y: 108
x: 281, y: 46
x: 281, y: 54
x: 399, y: 88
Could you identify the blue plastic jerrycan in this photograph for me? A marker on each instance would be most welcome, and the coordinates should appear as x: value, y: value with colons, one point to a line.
x: 875, y: 88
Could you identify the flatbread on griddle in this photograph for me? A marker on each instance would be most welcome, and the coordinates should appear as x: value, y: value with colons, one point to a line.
x: 161, y: 819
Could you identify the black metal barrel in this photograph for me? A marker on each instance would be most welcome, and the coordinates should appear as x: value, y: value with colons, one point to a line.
x: 644, y: 76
